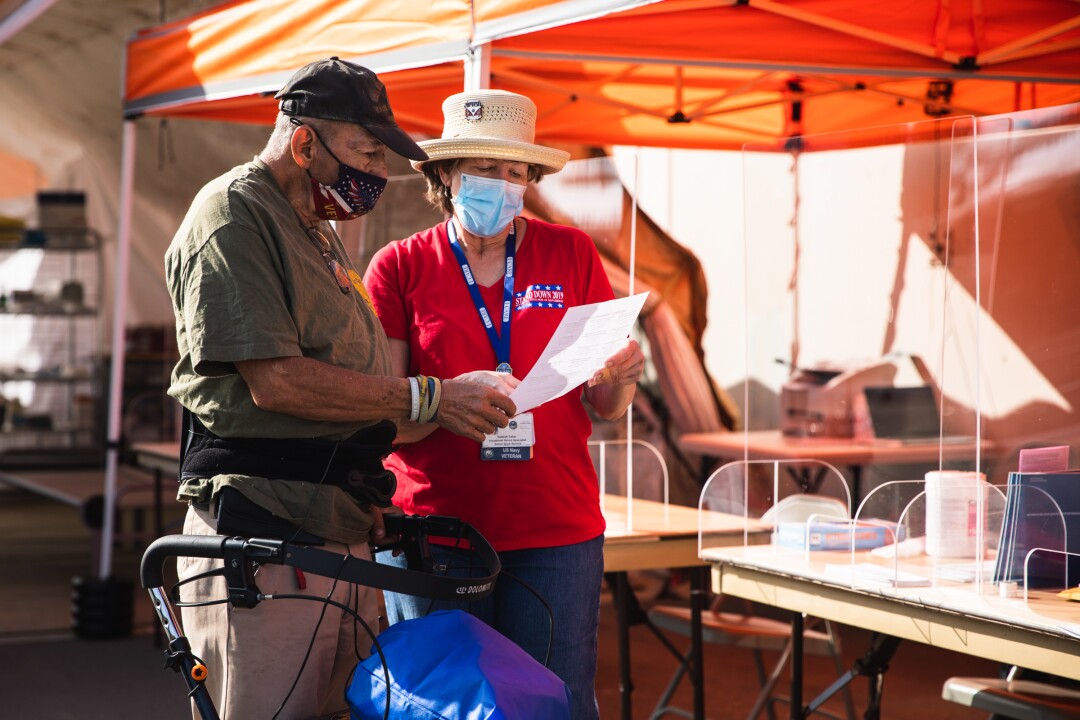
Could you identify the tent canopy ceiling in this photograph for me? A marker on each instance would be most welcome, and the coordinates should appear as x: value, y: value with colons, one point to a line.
x: 675, y: 73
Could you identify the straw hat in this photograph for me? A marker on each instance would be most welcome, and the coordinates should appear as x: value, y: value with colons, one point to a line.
x: 491, y: 124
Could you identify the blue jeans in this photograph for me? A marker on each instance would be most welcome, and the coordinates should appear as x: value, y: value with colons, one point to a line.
x: 568, y: 578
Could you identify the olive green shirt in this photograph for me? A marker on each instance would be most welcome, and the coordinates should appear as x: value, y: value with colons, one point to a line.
x: 248, y: 283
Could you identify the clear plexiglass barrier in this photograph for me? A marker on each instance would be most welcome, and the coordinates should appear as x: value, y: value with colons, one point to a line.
x: 909, y: 326
x: 952, y: 530
x: 947, y: 530
x: 780, y: 503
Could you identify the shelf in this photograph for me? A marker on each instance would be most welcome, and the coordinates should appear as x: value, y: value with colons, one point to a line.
x: 51, y: 312
x: 17, y: 431
x: 59, y: 239
x: 51, y: 457
x: 73, y: 247
x: 44, y: 377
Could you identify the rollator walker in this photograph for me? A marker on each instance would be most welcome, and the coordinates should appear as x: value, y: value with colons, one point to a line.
x: 422, y: 578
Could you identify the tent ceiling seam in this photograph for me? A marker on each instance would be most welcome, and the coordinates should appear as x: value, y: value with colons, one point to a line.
x: 551, y: 16
x: 552, y: 127
x: 854, y: 30
x: 526, y: 79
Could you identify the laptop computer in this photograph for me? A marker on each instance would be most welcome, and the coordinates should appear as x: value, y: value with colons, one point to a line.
x: 905, y: 414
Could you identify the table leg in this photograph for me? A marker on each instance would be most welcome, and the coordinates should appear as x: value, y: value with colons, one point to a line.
x: 628, y: 613
x: 159, y: 510
x: 622, y: 594
x: 796, y: 666
x: 159, y: 530
x: 698, y: 577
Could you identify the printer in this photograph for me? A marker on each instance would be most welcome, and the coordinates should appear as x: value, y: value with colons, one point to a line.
x: 826, y: 400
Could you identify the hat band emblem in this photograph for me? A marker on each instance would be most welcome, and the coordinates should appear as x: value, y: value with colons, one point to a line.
x: 474, y: 110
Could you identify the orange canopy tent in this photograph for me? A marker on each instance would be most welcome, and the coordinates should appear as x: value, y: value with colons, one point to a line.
x: 671, y: 73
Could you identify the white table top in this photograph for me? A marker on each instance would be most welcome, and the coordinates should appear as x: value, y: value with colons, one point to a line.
x: 1042, y: 633
x: 774, y: 445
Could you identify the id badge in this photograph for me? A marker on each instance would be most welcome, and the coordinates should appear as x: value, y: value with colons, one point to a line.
x: 513, y: 442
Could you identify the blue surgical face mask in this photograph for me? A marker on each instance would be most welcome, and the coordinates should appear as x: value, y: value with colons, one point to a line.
x: 486, y: 206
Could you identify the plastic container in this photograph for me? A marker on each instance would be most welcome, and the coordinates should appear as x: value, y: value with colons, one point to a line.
x: 952, y: 512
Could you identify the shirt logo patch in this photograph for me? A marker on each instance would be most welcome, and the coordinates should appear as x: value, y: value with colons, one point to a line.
x: 539, y: 296
x: 359, y: 285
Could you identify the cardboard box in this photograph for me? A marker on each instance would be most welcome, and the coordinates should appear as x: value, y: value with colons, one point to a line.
x: 837, y: 535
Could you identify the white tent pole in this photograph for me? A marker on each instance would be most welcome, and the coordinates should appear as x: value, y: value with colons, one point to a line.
x: 478, y: 58
x: 630, y: 407
x: 116, y: 374
x: 478, y: 67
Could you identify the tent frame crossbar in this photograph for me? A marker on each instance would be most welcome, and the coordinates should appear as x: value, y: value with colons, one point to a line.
x: 944, y: 72
x: 1023, y: 47
x: 701, y: 108
x: 1044, y: 49
x: 528, y: 80
x: 878, y: 90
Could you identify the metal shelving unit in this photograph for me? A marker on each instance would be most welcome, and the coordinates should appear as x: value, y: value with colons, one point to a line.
x: 51, y: 378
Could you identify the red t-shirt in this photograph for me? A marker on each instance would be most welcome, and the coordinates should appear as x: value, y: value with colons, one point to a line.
x: 421, y: 297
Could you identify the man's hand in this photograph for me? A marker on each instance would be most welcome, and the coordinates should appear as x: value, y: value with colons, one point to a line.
x: 377, y: 535
x: 475, y: 404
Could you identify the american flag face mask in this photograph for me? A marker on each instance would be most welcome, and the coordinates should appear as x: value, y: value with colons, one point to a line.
x: 353, y: 194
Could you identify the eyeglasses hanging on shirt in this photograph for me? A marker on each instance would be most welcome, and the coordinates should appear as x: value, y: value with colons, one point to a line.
x: 322, y: 244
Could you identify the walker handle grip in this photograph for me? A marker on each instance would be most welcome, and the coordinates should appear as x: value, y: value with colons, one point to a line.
x: 204, y: 546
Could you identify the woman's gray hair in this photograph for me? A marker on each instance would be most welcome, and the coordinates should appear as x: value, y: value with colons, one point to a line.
x: 438, y: 193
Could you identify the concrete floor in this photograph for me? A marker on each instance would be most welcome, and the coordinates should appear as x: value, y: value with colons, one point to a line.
x: 51, y: 674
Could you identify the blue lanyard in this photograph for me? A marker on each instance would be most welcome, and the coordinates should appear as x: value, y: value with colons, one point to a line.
x: 501, y: 345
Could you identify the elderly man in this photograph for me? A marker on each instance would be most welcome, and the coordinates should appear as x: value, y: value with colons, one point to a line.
x: 289, y: 393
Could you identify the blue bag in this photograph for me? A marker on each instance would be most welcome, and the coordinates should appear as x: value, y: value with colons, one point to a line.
x: 451, y: 666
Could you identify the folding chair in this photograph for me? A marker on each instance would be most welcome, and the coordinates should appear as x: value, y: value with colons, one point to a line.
x: 1017, y: 699
x: 755, y: 633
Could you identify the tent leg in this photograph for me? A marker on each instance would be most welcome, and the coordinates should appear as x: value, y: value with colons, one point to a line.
x: 116, y: 375
x: 478, y: 67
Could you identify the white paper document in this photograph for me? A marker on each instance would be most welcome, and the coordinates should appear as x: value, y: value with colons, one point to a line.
x: 587, y: 336
x: 864, y: 573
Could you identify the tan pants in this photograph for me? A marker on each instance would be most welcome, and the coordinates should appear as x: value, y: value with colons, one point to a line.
x: 253, y: 656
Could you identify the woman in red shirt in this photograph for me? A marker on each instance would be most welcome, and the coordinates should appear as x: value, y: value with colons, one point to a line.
x: 484, y: 291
